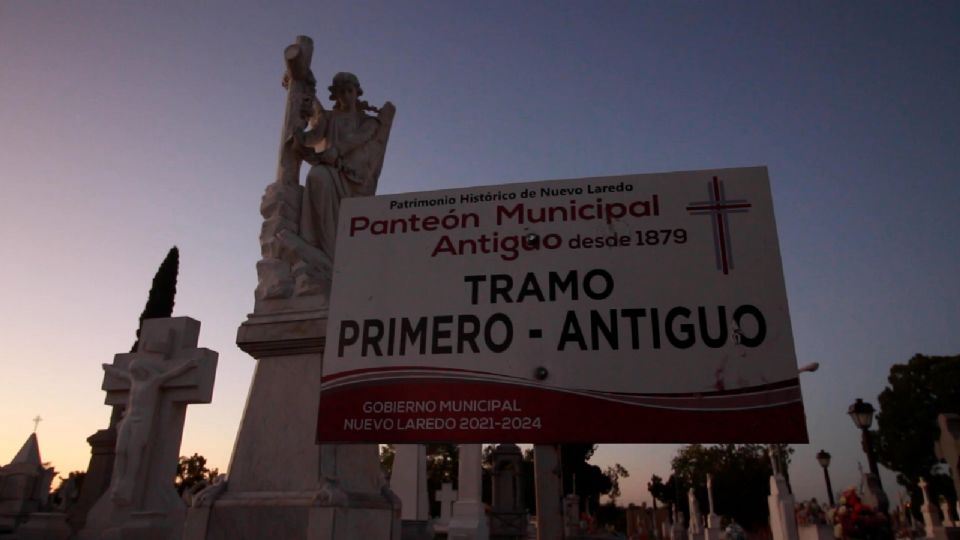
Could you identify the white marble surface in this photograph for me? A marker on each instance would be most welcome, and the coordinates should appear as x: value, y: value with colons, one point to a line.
x: 409, y: 480
x: 469, y: 521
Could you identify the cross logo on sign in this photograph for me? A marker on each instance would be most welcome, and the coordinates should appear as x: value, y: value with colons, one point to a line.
x: 718, y: 207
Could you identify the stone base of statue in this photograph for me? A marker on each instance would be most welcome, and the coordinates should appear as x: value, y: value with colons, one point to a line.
x: 45, y: 526
x: 281, y: 484
x: 416, y: 529
x: 97, y: 481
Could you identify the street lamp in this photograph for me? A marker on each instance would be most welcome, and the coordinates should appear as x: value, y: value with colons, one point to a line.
x: 824, y: 458
x: 862, y: 415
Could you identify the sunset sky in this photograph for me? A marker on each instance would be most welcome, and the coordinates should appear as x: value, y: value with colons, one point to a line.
x: 130, y: 127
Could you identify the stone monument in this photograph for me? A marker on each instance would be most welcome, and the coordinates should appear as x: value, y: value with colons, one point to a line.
x: 446, y: 496
x: 873, y: 494
x: 24, y: 486
x: 572, y: 526
x: 714, y: 529
x: 469, y: 520
x: 99, y: 470
x: 783, y: 521
x: 695, y: 527
x: 677, y: 530
x: 409, y: 483
x: 280, y: 483
x: 932, y: 526
x: 549, y: 486
x: 345, y: 147
x: 947, y: 512
x: 508, y: 517
x: 155, y: 384
x: 947, y: 447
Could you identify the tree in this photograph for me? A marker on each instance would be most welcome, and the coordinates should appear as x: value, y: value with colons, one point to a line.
x: 659, y: 491
x: 192, y: 471
x: 907, y: 422
x: 68, y: 491
x: 160, y: 300
x: 615, y: 472
x: 588, y: 481
x: 741, y: 476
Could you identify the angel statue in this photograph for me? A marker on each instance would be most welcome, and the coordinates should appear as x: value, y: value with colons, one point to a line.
x: 345, y: 147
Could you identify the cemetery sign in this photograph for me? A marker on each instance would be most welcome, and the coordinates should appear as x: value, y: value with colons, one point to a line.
x: 632, y: 309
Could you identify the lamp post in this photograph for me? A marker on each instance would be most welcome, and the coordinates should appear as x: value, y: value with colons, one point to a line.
x: 862, y: 415
x: 824, y: 458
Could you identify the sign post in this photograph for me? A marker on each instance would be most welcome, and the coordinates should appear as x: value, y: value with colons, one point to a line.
x: 635, y: 309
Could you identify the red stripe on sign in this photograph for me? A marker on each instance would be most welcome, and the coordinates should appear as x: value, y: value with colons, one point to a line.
x: 354, y: 372
x: 471, y: 412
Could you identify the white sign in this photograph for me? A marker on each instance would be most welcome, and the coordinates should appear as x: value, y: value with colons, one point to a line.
x: 641, y: 308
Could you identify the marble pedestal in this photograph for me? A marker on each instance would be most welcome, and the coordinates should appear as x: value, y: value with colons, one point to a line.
x: 281, y: 484
x: 550, y: 515
x: 99, y: 471
x: 469, y: 521
x: 45, y: 526
x: 783, y: 521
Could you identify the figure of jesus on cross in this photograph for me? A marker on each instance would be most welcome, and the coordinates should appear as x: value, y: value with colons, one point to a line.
x: 155, y: 384
x: 146, y: 376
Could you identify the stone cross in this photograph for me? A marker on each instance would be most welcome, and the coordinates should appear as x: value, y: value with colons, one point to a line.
x: 931, y: 517
x: 446, y: 496
x: 155, y: 384
x: 36, y: 423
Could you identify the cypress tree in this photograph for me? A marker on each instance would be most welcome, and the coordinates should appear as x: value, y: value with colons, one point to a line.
x: 162, y: 291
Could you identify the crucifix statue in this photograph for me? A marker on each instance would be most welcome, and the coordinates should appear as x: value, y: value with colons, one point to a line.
x: 155, y: 384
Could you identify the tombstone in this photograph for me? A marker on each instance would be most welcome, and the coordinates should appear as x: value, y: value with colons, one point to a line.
x: 932, y: 526
x: 641, y: 522
x: 634, y: 521
x: 469, y: 520
x: 24, y: 486
x: 695, y: 528
x: 677, y: 530
x: 714, y: 529
x: 550, y: 514
x: 155, y: 383
x: 947, y: 447
x: 99, y: 469
x: 45, y: 526
x: 873, y: 494
x: 508, y: 517
x: 783, y: 520
x: 409, y: 483
x: 947, y: 514
x: 571, y: 516
x: 446, y: 496
x: 812, y: 522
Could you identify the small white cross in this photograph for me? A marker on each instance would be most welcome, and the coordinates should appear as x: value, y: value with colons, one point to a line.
x: 446, y: 496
